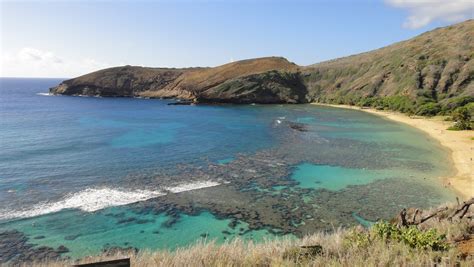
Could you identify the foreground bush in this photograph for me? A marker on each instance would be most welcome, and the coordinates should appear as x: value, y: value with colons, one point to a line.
x: 409, y: 236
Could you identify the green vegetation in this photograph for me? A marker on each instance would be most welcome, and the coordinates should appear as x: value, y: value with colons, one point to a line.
x: 462, y: 118
x: 411, y: 236
x: 454, y: 103
x: 388, y: 232
x: 470, y: 108
x: 305, y: 253
x: 397, y: 103
x: 461, y: 109
x: 428, y: 109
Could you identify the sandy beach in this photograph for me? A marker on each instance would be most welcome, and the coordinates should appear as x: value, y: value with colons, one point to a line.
x: 460, y: 144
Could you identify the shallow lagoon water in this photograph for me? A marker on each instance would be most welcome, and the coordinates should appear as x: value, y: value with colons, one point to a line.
x: 87, y: 234
x: 335, y: 178
x: 336, y: 171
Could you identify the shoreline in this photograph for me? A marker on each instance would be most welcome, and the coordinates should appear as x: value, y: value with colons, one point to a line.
x: 459, y: 143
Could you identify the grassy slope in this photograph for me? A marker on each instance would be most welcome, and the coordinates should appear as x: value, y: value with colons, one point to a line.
x: 435, y: 67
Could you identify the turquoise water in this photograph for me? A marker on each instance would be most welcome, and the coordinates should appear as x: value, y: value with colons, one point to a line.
x: 94, y: 173
x: 336, y: 178
x: 87, y: 234
x: 225, y: 161
x: 362, y: 221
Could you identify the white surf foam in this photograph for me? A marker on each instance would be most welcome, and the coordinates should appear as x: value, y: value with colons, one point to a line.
x: 87, y: 200
x: 93, y: 199
x: 44, y: 94
x: 191, y: 186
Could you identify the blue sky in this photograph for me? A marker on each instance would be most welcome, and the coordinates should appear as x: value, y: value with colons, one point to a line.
x: 66, y: 39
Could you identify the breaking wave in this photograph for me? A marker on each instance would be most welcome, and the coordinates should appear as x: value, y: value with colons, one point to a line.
x: 93, y: 199
x: 45, y: 94
x: 191, y: 186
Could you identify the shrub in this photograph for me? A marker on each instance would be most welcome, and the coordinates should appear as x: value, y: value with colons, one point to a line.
x: 470, y: 108
x: 411, y: 236
x: 398, y: 103
x: 366, y: 102
x: 358, y: 238
x: 430, y: 239
x: 428, y: 109
x: 388, y: 232
x: 385, y: 231
x: 453, y: 103
x: 462, y: 118
x: 304, y: 253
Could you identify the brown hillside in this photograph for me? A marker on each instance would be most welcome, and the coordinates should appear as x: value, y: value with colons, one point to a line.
x: 199, y: 80
x: 119, y: 81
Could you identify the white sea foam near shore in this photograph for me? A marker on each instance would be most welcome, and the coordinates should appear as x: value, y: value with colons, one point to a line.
x: 191, y: 186
x: 89, y: 200
x: 93, y: 199
x: 44, y: 94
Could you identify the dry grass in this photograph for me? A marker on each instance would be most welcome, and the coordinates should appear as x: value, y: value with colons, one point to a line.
x: 239, y: 253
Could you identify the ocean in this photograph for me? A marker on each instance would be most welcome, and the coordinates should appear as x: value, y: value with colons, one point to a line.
x: 95, y: 174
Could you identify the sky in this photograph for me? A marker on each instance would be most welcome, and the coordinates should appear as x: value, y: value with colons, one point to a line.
x: 69, y: 38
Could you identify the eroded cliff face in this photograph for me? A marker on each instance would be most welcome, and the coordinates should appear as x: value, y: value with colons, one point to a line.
x: 435, y: 68
x: 119, y: 81
x: 265, y: 88
x: 246, y: 77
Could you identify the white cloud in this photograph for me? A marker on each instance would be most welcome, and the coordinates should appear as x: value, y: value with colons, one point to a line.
x: 32, y: 62
x: 423, y: 12
x: 32, y: 54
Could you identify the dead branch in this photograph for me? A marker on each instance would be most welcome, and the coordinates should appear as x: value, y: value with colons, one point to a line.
x: 424, y: 219
x: 464, y: 208
x: 413, y: 221
x: 403, y: 218
x: 461, y: 210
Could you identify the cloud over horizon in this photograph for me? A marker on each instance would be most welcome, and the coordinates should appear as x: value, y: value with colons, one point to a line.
x: 33, y: 62
x: 423, y: 12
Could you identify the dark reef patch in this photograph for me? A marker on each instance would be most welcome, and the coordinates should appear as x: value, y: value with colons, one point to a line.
x: 16, y: 248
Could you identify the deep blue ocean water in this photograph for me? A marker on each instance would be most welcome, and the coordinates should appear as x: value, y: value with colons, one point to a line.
x: 67, y: 163
x: 63, y: 144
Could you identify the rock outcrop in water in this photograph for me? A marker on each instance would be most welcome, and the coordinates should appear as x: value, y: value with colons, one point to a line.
x: 430, y: 73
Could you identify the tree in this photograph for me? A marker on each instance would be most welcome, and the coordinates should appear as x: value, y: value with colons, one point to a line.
x: 428, y: 109
x: 462, y: 117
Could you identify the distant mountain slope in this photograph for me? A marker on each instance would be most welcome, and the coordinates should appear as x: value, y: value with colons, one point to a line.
x: 430, y: 73
x: 436, y: 66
